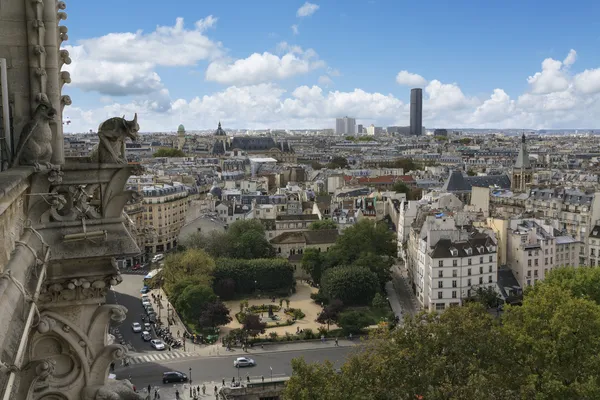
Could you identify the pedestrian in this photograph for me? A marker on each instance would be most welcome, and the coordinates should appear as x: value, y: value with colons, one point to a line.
x: 156, y: 395
x: 216, y: 390
x: 178, y: 335
x: 149, y: 389
x: 203, y: 389
x: 248, y: 377
x: 223, y: 381
x: 323, y: 338
x: 350, y: 336
x: 177, y: 394
x: 232, y: 381
x: 336, y: 342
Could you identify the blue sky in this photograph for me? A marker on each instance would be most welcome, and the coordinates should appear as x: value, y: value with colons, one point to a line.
x: 293, y: 64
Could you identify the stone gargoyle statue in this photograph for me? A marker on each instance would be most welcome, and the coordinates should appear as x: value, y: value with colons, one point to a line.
x: 113, y: 390
x: 35, y: 142
x: 112, y: 134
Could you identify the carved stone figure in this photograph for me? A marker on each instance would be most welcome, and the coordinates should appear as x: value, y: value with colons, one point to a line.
x: 112, y: 133
x: 35, y: 142
x: 113, y: 390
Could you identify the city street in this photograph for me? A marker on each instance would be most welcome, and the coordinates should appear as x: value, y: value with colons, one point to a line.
x: 209, y: 370
x: 127, y: 294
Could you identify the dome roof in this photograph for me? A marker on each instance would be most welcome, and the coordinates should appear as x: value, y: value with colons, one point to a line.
x: 181, y: 128
x: 220, y: 131
x: 216, y: 191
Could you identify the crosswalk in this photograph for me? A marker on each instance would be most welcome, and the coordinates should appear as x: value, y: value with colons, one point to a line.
x: 162, y: 356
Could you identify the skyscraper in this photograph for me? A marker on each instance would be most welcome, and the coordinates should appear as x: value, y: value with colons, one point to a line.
x: 416, y: 112
x: 345, y: 126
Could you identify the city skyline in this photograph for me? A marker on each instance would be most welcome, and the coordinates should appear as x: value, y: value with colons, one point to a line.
x: 285, y: 70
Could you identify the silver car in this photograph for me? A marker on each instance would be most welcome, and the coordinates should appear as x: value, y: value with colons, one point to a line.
x: 243, y: 362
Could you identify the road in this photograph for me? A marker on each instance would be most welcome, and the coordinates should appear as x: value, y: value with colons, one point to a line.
x: 215, y: 369
x: 127, y: 294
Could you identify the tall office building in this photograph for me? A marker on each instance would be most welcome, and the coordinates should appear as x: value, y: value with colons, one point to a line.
x: 416, y: 112
x: 345, y: 126
x: 359, y: 129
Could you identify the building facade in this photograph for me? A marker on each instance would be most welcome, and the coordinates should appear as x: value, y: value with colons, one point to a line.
x: 416, y: 112
x: 345, y: 126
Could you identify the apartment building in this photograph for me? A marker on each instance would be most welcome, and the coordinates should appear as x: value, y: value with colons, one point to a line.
x: 533, y: 250
x: 447, y: 261
x: 165, y: 207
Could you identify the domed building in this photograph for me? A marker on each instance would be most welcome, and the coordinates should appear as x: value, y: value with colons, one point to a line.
x: 252, y: 146
x: 180, y: 137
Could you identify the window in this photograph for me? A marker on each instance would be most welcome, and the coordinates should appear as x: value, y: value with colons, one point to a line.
x: 529, y: 253
x: 468, y: 282
x: 481, y: 280
x: 454, y: 294
x: 441, y: 263
x: 546, y: 261
x: 535, y: 273
x: 536, y: 262
x: 528, y: 282
x: 490, y: 279
x: 454, y: 284
x: 440, y: 274
x: 491, y: 258
x: 469, y: 262
x: 440, y: 306
x: 469, y: 272
x: 440, y: 284
x: 480, y: 260
x: 440, y: 295
x: 529, y: 263
x: 528, y: 274
x: 481, y: 270
x: 454, y: 273
x: 454, y: 263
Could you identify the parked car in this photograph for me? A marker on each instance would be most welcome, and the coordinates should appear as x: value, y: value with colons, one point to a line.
x: 146, y: 336
x: 244, y: 362
x: 136, y: 267
x: 157, y: 344
x: 136, y: 327
x: 152, y: 318
x: 144, y: 290
x: 146, y: 303
x: 147, y: 327
x: 157, y: 258
x: 145, y: 297
x: 174, y: 376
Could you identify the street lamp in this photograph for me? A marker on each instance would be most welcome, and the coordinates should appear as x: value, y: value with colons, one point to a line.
x: 190, y: 377
x: 271, y: 368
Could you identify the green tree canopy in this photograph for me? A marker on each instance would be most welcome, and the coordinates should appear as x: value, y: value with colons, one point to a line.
x: 214, y: 314
x: 265, y: 274
x: 338, y: 162
x: 191, y: 265
x: 168, y: 152
x: 401, y: 187
x: 312, y: 263
x: 362, y: 238
x: 354, y: 321
x: 580, y: 282
x: 546, y: 349
x: 351, y: 285
x: 323, y: 224
x: 193, y: 299
x: 244, y: 239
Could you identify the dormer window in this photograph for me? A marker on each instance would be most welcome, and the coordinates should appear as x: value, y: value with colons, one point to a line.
x: 490, y: 248
x: 469, y: 251
x: 480, y: 249
x: 454, y: 252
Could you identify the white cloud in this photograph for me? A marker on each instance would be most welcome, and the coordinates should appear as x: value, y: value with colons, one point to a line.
x: 307, y: 10
x: 570, y: 58
x: 325, y: 80
x: 265, y: 67
x: 551, y: 79
x: 409, y: 79
x: 445, y: 96
x: 123, y: 63
x: 588, y: 81
x: 295, y: 30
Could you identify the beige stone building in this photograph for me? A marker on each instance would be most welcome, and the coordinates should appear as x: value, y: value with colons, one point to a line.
x: 164, y: 213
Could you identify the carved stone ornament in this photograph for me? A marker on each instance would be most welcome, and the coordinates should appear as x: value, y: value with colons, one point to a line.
x: 78, y: 289
x: 112, y: 133
x: 35, y: 142
x: 113, y: 390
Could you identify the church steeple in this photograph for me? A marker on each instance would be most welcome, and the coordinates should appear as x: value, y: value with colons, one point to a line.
x: 522, y: 172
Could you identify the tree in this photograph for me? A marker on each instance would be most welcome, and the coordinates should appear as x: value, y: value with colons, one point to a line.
x: 316, y: 165
x: 380, y: 266
x: 306, y: 376
x: 379, y: 302
x: 400, y: 187
x: 354, y: 321
x: 192, y: 300
x: 352, y: 285
x: 312, y: 263
x: 214, y: 314
x: 362, y: 238
x: 323, y: 224
x: 580, y: 282
x: 486, y: 296
x: 330, y: 313
x: 338, y: 162
x: 168, y: 152
x: 267, y: 274
x: 193, y: 264
x: 470, y: 172
x: 253, y: 326
x: 225, y: 288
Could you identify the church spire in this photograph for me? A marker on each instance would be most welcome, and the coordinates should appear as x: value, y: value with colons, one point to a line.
x: 523, y: 157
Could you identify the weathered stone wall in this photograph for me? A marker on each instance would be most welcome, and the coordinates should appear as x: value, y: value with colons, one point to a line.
x: 13, y: 186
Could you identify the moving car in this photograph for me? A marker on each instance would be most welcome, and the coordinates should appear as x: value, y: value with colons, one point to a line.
x: 136, y: 327
x: 146, y: 336
x: 174, y: 376
x: 244, y: 362
x: 157, y: 344
x: 157, y: 258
